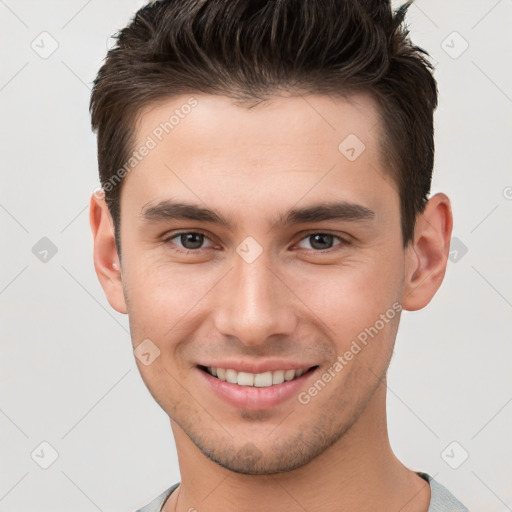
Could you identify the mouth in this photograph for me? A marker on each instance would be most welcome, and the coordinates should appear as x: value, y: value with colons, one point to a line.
x: 258, y: 380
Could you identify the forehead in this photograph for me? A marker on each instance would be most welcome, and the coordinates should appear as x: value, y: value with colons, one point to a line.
x: 285, y: 147
x: 292, y: 119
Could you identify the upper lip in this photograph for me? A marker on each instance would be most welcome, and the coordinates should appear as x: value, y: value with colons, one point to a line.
x: 258, y: 366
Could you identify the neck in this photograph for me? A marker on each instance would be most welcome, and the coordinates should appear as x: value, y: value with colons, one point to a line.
x: 358, y: 472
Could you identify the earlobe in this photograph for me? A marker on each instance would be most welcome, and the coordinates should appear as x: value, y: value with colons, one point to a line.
x: 106, y: 260
x: 427, y: 254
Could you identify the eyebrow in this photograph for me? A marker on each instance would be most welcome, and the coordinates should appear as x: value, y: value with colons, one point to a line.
x: 168, y: 210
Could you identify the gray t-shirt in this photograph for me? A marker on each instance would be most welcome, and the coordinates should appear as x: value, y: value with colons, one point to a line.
x: 441, y: 500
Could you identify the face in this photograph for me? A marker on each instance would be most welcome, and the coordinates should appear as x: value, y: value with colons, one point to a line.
x: 256, y: 242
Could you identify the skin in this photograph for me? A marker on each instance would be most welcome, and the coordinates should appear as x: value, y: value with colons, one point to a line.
x: 298, y: 301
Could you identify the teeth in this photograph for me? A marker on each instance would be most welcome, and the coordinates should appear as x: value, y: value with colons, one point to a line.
x: 245, y: 379
x: 231, y: 376
x: 278, y: 377
x: 258, y: 380
x: 263, y: 380
x: 289, y: 374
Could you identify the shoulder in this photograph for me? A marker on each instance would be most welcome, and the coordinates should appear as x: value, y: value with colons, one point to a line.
x: 157, y: 504
x: 441, y: 499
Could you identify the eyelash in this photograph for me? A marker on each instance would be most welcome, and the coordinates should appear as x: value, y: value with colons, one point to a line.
x: 343, y: 241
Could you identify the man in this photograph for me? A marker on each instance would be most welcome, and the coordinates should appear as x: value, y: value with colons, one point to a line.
x: 266, y: 168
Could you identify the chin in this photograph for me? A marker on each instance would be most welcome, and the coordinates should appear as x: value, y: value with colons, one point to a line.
x: 276, y: 457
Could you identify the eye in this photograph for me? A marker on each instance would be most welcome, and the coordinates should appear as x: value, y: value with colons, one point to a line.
x: 190, y: 241
x: 323, y: 241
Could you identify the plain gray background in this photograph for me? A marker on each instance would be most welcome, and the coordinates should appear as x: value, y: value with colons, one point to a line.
x: 68, y: 376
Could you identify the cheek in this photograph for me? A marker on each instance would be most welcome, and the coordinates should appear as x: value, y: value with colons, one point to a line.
x: 351, y: 296
x: 161, y: 296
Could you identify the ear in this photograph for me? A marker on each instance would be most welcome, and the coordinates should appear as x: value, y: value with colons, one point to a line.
x: 427, y: 255
x: 106, y: 260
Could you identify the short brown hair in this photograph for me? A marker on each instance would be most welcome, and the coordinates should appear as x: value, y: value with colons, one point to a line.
x: 250, y: 49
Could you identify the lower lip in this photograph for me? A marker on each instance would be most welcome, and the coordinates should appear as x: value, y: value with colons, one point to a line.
x: 253, y: 398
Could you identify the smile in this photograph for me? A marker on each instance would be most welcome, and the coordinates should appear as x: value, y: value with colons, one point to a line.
x: 259, y: 380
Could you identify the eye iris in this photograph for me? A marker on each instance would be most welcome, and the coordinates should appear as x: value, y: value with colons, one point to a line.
x: 185, y: 238
x: 318, y: 240
x: 321, y: 236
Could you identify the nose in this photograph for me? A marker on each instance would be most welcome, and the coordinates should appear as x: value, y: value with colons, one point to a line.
x: 255, y: 303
